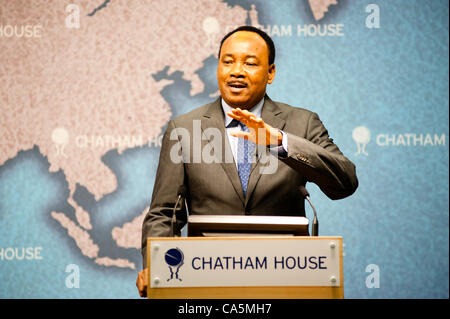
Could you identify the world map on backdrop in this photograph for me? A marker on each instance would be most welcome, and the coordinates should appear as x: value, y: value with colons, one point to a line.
x: 87, y: 89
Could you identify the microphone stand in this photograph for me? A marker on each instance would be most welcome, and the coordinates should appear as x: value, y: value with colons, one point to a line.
x: 174, y: 214
x: 315, y: 225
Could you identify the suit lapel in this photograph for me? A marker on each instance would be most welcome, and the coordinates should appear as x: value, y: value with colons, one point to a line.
x: 272, y: 115
x: 214, y: 118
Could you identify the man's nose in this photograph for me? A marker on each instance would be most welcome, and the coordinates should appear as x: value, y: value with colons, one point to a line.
x: 237, y: 70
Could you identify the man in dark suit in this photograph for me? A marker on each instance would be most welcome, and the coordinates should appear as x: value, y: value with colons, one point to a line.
x: 243, y: 154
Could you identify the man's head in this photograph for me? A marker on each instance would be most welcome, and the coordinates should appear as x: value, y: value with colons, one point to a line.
x: 246, y: 66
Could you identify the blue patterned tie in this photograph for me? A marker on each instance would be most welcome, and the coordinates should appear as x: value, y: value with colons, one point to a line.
x: 245, y: 153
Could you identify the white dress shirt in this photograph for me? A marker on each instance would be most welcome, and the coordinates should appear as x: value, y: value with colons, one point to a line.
x: 279, y: 151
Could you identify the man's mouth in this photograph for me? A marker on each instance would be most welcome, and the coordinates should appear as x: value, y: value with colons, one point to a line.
x: 237, y: 84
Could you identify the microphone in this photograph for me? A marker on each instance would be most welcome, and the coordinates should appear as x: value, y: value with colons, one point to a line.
x: 181, y: 195
x: 315, y: 225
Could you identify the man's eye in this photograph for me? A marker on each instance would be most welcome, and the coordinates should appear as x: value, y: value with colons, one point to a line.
x: 227, y: 62
x: 251, y: 63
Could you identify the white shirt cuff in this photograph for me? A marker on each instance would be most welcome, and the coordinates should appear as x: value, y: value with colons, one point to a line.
x: 280, y: 150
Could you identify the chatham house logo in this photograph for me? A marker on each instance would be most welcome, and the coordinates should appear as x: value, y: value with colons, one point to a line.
x: 174, y: 258
x: 361, y: 136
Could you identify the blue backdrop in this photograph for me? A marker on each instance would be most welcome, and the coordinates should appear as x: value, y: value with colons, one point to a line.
x: 381, y: 89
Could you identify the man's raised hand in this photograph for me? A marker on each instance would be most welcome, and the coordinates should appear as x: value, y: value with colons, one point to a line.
x: 260, y: 132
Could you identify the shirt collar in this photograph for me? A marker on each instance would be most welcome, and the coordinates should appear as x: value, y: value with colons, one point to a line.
x: 257, y: 109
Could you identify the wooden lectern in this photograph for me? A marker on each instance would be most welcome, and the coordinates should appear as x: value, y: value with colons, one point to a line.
x: 275, y: 267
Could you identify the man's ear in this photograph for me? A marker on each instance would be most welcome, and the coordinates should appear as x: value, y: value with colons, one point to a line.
x: 271, y: 73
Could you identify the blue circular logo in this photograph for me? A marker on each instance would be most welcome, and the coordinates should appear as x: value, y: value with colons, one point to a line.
x: 174, y: 257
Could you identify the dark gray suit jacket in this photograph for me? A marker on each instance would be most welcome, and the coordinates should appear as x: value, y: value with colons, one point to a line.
x: 215, y: 188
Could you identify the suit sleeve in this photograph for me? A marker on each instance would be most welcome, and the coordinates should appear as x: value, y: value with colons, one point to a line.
x: 169, y: 176
x: 318, y: 159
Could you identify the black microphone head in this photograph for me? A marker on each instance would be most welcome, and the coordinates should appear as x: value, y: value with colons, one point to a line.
x: 182, y: 190
x: 303, y: 191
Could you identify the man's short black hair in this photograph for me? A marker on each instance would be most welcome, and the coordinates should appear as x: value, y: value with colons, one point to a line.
x: 263, y: 35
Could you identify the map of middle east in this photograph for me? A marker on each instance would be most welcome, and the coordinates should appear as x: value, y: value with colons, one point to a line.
x: 75, y: 94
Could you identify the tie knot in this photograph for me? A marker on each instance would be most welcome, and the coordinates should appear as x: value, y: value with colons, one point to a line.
x: 236, y: 123
x: 233, y: 123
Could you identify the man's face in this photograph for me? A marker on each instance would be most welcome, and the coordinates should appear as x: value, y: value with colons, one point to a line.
x: 244, y: 71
